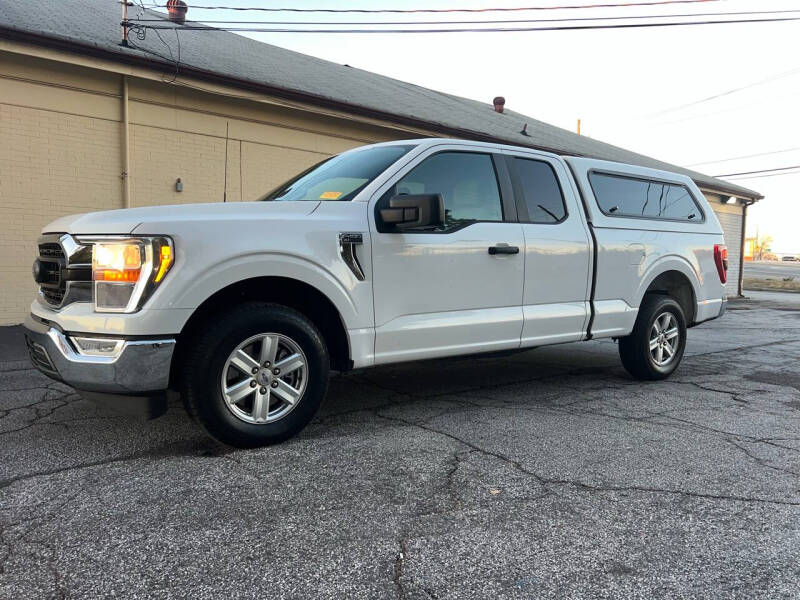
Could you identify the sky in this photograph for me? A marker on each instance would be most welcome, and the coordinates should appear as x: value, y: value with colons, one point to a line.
x: 642, y: 89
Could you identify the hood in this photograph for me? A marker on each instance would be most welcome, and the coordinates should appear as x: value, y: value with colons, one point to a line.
x: 151, y: 218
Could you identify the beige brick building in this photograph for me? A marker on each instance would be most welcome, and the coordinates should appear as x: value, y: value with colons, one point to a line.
x: 62, y: 150
x: 86, y: 125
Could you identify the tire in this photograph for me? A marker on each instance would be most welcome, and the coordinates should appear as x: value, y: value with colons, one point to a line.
x: 217, y: 378
x: 635, y: 350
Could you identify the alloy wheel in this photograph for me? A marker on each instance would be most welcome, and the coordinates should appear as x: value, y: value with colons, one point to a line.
x: 264, y: 378
x: 664, y: 339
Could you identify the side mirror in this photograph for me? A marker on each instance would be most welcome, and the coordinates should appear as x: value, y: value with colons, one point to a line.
x: 414, y: 211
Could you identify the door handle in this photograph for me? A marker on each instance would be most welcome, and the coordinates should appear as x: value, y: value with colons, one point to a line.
x: 503, y: 249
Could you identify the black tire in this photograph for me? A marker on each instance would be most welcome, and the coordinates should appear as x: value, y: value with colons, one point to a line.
x: 202, y: 373
x: 634, y: 350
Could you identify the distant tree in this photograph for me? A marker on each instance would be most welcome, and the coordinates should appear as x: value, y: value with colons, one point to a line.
x: 762, y: 247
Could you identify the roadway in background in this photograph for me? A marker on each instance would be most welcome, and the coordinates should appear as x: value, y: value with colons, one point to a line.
x: 769, y: 268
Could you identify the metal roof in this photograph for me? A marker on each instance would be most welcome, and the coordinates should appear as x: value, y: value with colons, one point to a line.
x: 93, y: 26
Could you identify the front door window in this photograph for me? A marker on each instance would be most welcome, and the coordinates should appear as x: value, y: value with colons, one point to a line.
x: 467, y: 182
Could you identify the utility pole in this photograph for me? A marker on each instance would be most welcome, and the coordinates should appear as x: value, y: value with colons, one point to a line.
x: 579, y: 126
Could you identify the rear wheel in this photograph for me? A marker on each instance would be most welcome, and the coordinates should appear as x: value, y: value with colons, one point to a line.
x: 256, y: 376
x: 655, y: 347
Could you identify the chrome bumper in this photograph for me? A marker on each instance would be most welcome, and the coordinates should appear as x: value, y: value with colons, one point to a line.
x: 141, y: 366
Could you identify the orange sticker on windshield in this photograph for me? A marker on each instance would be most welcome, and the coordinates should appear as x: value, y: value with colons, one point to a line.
x: 330, y: 195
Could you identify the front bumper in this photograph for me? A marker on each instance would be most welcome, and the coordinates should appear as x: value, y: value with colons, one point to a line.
x: 139, y: 373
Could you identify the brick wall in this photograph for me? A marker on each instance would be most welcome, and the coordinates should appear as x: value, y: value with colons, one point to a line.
x: 51, y: 164
x: 61, y: 151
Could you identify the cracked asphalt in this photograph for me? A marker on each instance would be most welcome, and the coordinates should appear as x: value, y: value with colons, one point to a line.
x: 546, y: 474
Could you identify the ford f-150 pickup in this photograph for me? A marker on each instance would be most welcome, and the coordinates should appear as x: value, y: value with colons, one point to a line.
x: 392, y: 252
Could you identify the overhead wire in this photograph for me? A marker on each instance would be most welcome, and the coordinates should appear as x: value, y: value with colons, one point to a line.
x: 475, y: 29
x: 767, y: 175
x: 488, y: 21
x: 140, y: 34
x: 759, y: 171
x: 731, y: 159
x: 444, y: 10
x: 764, y: 81
x: 716, y: 113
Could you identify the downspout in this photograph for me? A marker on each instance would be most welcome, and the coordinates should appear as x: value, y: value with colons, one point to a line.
x: 126, y: 161
x: 741, y: 249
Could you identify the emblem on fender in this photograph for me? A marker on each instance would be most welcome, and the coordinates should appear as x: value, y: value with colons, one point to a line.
x: 347, y: 249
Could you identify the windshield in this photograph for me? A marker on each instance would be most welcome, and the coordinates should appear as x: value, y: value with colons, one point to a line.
x: 339, y: 178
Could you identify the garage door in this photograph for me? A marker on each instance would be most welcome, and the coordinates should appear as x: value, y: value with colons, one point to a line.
x: 732, y: 227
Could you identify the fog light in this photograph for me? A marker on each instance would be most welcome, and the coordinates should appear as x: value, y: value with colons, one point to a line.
x: 98, y: 346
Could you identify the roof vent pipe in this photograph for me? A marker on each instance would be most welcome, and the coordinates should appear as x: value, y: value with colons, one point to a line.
x: 499, y: 102
x: 177, y: 10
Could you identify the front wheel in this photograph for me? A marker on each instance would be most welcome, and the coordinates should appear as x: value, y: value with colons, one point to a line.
x: 257, y: 375
x: 655, y: 347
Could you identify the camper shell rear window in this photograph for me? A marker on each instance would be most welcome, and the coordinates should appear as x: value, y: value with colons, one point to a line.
x: 642, y: 198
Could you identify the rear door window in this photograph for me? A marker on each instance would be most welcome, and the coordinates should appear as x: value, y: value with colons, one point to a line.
x: 543, y: 197
x: 620, y: 196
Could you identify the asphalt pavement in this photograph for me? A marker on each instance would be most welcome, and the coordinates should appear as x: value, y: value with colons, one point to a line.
x: 547, y: 474
x: 772, y: 298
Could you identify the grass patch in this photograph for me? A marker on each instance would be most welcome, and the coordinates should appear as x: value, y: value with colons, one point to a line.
x: 788, y: 284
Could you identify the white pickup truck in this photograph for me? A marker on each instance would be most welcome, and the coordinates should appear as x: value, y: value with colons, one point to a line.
x: 391, y: 252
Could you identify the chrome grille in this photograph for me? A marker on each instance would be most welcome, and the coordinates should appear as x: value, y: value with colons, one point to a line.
x: 64, y: 273
x: 51, y: 250
x: 53, y: 296
x: 50, y: 272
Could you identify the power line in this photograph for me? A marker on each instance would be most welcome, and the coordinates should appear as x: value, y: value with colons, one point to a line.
x: 467, y: 29
x: 758, y: 172
x: 443, y: 10
x: 762, y: 99
x: 768, y: 175
x: 728, y: 92
x: 714, y: 162
x: 487, y: 21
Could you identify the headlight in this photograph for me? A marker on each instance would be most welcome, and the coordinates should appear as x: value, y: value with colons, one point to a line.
x: 126, y: 271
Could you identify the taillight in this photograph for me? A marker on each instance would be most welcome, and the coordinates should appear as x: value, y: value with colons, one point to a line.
x: 721, y: 260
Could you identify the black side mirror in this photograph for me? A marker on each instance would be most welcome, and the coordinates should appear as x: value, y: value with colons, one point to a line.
x: 414, y: 211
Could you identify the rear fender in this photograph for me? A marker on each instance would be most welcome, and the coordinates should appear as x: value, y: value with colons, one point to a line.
x: 666, y: 264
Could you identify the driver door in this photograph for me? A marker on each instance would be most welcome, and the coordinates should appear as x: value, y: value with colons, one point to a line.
x: 444, y: 291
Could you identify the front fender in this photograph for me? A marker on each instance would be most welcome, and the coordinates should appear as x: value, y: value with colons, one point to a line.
x: 343, y: 290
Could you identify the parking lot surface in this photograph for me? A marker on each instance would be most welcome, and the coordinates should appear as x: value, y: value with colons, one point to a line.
x: 546, y: 474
